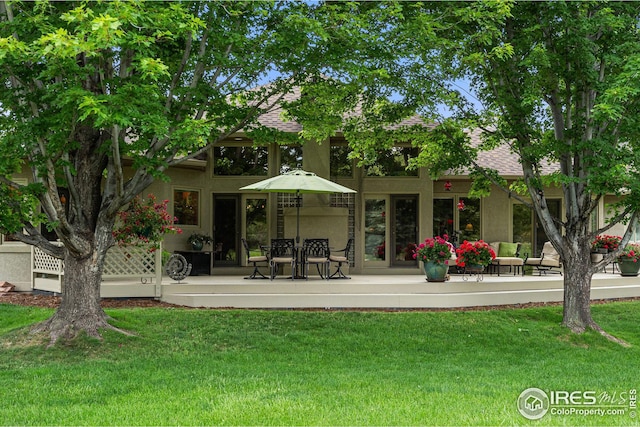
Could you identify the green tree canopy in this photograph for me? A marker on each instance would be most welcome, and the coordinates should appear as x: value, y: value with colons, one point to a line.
x: 87, y: 86
x: 558, y: 85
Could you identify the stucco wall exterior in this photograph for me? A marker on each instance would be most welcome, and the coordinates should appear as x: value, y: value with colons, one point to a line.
x: 317, y: 217
x: 15, y: 265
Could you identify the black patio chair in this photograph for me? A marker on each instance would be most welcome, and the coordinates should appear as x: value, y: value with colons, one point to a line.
x: 282, y: 251
x: 255, y: 259
x: 316, y: 251
x: 341, y: 259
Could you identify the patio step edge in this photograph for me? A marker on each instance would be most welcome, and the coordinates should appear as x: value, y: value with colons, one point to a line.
x: 403, y: 286
x: 386, y: 300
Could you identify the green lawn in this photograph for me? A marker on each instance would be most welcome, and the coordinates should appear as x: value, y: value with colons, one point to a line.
x: 231, y: 367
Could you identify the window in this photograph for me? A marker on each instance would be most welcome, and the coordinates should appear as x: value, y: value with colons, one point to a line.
x: 443, y: 220
x: 375, y: 226
x: 240, y: 160
x: 339, y: 162
x: 290, y: 158
x: 404, y: 227
x: 469, y: 219
x: 457, y: 217
x: 555, y: 209
x: 393, y: 162
x: 256, y: 220
x: 523, y: 228
x: 185, y: 206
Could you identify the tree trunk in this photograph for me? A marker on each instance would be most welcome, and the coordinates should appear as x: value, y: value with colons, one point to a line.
x: 576, y: 315
x: 80, y: 309
x: 577, y: 291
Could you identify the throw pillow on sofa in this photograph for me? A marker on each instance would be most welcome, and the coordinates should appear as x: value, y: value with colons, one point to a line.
x: 507, y: 249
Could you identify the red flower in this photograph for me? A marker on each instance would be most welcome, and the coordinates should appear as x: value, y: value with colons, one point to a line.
x: 477, y: 253
x: 436, y: 249
x: 143, y: 222
x: 604, y: 241
x: 631, y: 252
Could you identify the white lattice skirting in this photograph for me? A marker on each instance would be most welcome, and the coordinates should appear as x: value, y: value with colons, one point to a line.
x: 131, y: 262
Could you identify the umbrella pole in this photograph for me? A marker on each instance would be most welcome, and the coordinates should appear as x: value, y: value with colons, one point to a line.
x: 298, y: 218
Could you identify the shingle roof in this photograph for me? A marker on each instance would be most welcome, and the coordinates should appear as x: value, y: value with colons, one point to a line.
x: 501, y: 158
x: 273, y: 118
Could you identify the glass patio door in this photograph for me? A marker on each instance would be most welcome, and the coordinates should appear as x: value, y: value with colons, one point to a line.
x: 375, y: 231
x: 523, y: 223
x: 256, y: 228
x: 527, y: 228
x: 458, y: 217
x: 404, y: 231
x: 226, y: 230
x: 391, y: 230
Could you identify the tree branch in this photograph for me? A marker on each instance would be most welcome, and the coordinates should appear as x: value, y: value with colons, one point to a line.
x: 36, y: 239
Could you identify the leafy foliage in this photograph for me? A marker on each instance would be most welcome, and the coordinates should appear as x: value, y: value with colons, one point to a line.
x: 19, y: 207
x: 144, y: 222
x: 554, y: 84
x: 91, y: 88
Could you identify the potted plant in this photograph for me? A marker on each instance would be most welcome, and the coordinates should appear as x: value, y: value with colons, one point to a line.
x: 628, y: 260
x: 198, y: 241
x: 435, y: 253
x: 605, y: 243
x: 474, y: 256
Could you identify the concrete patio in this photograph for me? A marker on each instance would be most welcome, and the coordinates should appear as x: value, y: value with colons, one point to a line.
x: 383, y: 291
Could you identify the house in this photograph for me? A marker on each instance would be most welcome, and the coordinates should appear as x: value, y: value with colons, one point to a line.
x: 392, y: 210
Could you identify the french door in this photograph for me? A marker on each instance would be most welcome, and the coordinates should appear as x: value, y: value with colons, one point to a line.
x: 457, y: 217
x: 391, y: 230
x: 226, y: 229
x: 230, y: 212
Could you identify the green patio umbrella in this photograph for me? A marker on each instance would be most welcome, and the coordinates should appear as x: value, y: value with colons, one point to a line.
x: 297, y: 181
